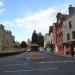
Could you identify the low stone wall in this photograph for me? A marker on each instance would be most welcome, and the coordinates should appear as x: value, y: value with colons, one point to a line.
x: 11, y: 51
x: 6, y: 50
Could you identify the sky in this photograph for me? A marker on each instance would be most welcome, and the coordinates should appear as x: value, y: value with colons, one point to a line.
x: 22, y: 17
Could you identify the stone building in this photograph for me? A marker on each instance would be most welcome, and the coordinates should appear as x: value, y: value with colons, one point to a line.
x: 6, y: 38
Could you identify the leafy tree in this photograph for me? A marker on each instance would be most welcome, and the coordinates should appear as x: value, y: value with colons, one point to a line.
x: 40, y: 39
x: 15, y: 46
x: 23, y: 44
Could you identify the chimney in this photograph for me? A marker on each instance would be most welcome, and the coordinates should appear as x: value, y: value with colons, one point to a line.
x: 58, y: 14
x: 71, y: 9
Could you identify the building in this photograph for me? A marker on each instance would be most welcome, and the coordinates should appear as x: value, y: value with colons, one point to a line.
x: 6, y: 38
x: 51, y: 44
x: 58, y: 32
x: 29, y: 43
x: 48, y: 39
x: 69, y: 31
x: 54, y: 38
x: 1, y: 36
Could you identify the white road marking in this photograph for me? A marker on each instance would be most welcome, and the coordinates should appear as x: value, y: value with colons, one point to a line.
x: 31, y: 70
x: 15, y: 64
x: 8, y: 65
x: 57, y: 62
x: 49, y: 62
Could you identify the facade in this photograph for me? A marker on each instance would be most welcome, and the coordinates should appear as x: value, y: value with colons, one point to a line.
x: 48, y: 39
x: 51, y: 34
x: 69, y: 31
x: 59, y: 33
x: 51, y: 44
x: 1, y: 36
x: 6, y: 38
x: 29, y: 43
x: 54, y: 38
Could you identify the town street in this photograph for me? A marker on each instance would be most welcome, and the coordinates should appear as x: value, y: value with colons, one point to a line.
x: 49, y: 64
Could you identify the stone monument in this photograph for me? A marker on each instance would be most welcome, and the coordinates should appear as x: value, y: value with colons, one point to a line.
x: 34, y: 45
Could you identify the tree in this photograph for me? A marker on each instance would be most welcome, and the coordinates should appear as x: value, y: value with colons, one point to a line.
x: 40, y: 39
x: 23, y: 44
x: 15, y: 46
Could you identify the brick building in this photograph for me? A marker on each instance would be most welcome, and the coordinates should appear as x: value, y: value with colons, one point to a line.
x: 58, y: 32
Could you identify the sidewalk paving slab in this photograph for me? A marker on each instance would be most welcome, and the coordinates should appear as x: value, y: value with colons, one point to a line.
x: 64, y: 55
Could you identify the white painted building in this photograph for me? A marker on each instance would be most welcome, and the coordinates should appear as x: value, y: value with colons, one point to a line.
x: 29, y: 43
x: 69, y: 31
x: 48, y: 39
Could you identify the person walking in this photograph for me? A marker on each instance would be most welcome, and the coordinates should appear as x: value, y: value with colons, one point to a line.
x: 72, y: 51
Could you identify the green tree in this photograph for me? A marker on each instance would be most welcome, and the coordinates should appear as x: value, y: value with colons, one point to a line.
x: 40, y: 39
x: 23, y: 44
x: 15, y: 46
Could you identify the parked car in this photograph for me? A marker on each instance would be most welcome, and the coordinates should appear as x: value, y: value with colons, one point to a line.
x: 41, y: 49
x: 28, y: 49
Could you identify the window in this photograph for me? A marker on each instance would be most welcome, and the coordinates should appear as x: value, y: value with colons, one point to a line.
x: 57, y: 32
x: 70, y: 24
x: 59, y: 21
x: 68, y: 36
x: 73, y: 35
x: 61, y: 29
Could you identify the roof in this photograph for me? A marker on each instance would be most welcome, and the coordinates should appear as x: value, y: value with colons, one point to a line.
x: 62, y: 16
x: 69, y: 16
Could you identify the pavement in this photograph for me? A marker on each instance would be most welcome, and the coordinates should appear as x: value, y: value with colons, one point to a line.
x: 64, y: 55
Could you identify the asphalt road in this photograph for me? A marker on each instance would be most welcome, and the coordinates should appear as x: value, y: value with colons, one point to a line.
x: 50, y: 64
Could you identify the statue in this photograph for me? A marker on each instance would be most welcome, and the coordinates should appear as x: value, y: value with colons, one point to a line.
x: 34, y: 37
x: 34, y: 45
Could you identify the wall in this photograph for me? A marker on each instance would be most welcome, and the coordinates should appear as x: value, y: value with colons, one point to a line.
x: 66, y: 28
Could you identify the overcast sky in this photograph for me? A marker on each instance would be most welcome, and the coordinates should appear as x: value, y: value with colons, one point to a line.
x: 22, y: 17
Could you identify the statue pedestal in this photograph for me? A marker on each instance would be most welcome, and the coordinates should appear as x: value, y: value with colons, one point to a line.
x: 35, y: 56
x: 34, y: 47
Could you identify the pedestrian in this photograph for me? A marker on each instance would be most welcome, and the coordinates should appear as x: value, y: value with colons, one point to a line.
x: 72, y: 51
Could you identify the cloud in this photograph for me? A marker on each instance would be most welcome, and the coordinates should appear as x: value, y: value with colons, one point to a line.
x: 41, y: 20
x: 38, y: 20
x: 2, y: 6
